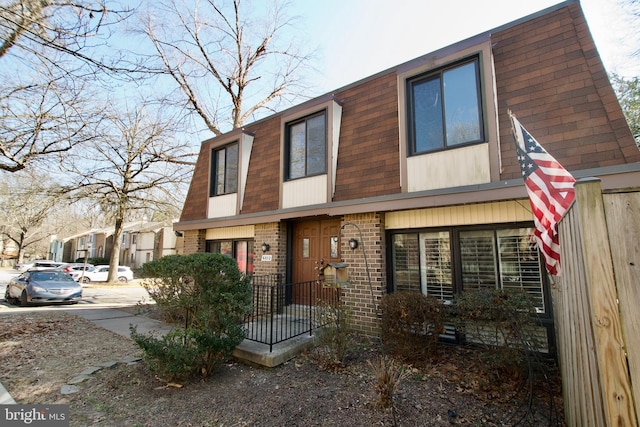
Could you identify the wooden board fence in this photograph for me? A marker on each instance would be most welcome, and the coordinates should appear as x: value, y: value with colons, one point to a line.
x: 623, y: 220
x: 598, y: 332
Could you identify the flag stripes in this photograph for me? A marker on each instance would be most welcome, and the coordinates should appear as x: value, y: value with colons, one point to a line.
x: 550, y: 190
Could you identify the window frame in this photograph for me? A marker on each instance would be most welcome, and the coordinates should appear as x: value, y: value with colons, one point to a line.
x: 456, y: 259
x: 215, y: 246
x: 439, y: 73
x: 213, y: 173
x: 288, y: 141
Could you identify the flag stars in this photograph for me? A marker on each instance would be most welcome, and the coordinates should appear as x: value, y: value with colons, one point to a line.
x: 546, y: 181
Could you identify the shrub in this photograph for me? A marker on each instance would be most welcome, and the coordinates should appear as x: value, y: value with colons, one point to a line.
x: 168, y: 355
x: 210, y: 296
x: 411, y: 325
x: 501, y: 323
x: 335, y: 320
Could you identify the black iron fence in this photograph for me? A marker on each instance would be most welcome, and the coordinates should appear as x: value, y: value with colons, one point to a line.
x: 282, y: 311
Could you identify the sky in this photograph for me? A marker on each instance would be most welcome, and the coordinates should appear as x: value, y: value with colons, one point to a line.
x: 358, y: 38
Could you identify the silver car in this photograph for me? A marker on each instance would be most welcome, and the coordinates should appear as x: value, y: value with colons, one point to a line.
x: 43, y: 287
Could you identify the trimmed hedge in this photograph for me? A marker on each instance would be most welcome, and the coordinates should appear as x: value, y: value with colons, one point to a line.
x: 207, y: 294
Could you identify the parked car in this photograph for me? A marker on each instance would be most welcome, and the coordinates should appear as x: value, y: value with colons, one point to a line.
x: 42, y: 264
x: 74, y: 266
x: 99, y: 273
x: 43, y: 287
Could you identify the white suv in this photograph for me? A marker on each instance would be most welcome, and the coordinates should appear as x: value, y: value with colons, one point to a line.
x: 99, y: 273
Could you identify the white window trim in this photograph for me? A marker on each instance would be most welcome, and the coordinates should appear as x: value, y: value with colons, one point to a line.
x: 480, y: 46
x: 245, y: 145
x: 333, y: 119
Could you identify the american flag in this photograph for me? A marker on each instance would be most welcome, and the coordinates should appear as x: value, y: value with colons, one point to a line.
x: 550, y: 189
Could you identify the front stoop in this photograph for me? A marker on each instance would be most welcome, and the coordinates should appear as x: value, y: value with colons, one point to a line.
x: 258, y: 354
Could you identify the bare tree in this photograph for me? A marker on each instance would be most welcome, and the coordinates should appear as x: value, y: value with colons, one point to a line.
x: 628, y: 92
x: 26, y: 200
x: 227, y: 64
x: 136, y: 164
x: 46, y: 116
x: 37, y: 30
x: 50, y: 62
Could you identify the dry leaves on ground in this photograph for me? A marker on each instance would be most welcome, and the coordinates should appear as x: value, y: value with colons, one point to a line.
x: 41, y: 351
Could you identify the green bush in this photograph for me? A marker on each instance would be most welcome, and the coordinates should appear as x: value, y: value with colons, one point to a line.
x: 168, y: 355
x: 411, y: 325
x: 207, y: 293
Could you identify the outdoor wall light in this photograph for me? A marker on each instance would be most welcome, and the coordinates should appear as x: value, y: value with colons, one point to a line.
x: 353, y: 243
x: 265, y: 247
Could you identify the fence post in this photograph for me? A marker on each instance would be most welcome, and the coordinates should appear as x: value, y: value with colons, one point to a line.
x: 271, y: 318
x: 623, y: 219
x: 605, y: 316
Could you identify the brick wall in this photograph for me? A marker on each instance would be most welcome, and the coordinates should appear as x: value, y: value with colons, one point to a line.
x: 275, y: 235
x: 194, y: 241
x: 361, y: 296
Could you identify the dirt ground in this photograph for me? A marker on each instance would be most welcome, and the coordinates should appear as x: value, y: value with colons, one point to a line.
x: 41, y: 352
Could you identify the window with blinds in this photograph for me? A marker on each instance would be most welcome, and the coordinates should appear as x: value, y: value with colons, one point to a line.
x: 477, y: 255
x: 406, y: 262
x: 443, y: 262
x: 520, y: 264
x: 435, y: 265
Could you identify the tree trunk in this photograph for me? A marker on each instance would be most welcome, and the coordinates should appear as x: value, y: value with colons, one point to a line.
x: 114, y: 260
x: 21, y: 248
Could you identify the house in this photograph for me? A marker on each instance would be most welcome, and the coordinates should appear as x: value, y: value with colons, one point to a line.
x: 144, y: 242
x: 8, y: 252
x: 141, y: 242
x: 410, y: 177
x: 92, y: 243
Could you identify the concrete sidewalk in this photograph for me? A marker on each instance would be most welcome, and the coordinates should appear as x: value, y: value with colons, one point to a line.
x: 5, y: 397
x: 119, y: 321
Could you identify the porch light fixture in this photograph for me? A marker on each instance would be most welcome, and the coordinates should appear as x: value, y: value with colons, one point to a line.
x: 353, y: 244
x: 265, y: 247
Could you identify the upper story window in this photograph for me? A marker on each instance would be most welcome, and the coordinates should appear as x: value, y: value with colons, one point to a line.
x: 224, y: 170
x: 306, y: 146
x: 444, y: 108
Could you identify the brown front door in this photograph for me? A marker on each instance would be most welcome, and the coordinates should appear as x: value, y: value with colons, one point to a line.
x: 315, y: 243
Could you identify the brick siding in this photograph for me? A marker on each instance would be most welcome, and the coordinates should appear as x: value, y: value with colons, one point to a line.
x: 358, y: 295
x: 195, y: 241
x: 275, y: 235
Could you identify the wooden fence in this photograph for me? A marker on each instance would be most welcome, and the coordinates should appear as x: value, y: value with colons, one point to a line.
x: 597, y: 307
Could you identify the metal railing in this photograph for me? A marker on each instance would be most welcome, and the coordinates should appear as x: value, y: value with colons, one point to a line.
x: 282, y: 311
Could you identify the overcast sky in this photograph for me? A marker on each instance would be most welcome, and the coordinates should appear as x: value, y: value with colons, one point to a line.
x: 358, y: 38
